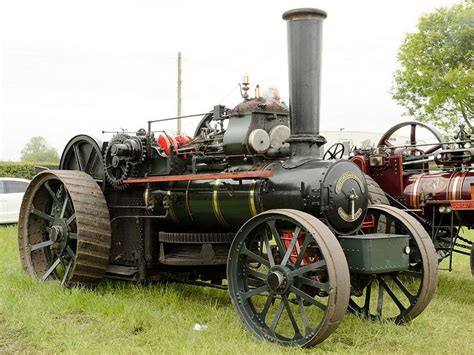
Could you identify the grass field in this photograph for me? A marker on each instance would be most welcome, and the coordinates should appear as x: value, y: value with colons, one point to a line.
x: 123, y: 318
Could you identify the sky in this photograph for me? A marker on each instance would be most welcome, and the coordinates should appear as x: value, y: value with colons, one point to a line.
x: 72, y: 67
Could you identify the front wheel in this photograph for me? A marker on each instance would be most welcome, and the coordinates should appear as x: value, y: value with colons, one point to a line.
x: 288, y: 278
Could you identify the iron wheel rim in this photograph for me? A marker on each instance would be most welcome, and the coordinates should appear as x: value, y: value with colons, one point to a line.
x: 318, y: 288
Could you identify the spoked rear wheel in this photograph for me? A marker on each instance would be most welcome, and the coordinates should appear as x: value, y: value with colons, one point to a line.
x: 64, y: 228
x: 288, y: 278
x: 84, y: 153
x: 397, y: 296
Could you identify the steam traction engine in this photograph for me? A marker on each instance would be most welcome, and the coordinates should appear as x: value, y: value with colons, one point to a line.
x: 440, y: 197
x: 245, y: 204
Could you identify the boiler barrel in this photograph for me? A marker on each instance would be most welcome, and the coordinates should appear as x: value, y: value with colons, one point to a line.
x: 433, y: 190
x: 321, y: 188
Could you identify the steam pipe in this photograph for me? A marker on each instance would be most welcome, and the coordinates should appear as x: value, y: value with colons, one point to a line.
x: 305, y: 27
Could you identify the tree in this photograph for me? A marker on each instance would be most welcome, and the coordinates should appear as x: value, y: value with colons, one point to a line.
x: 37, y: 150
x: 436, y: 80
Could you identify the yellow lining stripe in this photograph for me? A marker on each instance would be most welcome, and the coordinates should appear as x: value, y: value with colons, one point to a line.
x: 253, y: 208
x: 215, y: 205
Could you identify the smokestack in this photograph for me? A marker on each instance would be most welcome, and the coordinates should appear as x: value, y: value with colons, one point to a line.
x: 305, y: 27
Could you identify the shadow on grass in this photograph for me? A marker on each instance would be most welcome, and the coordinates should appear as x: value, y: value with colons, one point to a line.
x: 197, y: 294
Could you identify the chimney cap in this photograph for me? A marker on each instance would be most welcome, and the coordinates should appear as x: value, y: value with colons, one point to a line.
x: 304, y: 14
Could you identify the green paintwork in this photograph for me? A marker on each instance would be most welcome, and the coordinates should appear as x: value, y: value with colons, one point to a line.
x: 375, y: 253
x: 236, y: 135
x: 212, y: 204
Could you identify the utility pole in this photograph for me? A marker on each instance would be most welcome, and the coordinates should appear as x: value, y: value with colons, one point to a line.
x: 178, y: 130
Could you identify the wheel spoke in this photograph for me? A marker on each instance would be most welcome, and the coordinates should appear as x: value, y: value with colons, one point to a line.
x: 66, y: 273
x: 91, y: 160
x: 63, y: 210
x: 308, y: 298
x: 40, y: 245
x: 266, y: 307
x: 355, y: 308
x: 258, y: 275
x: 254, y: 256
x: 413, y: 134
x: 276, y: 236
x: 302, y: 251
x: 51, y: 269
x: 70, y: 219
x: 321, y: 285
x: 277, y: 316
x: 287, y: 255
x: 77, y: 156
x: 391, y: 294
x: 380, y: 302
x: 269, y: 249
x: 72, y: 235
x: 51, y: 192
x: 284, y: 299
x: 368, y: 291
x: 41, y: 214
x: 307, y: 268
x: 304, y: 316
x: 402, y: 287
x: 255, y: 291
x: 70, y: 252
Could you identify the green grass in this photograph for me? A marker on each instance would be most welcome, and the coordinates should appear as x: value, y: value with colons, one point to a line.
x: 127, y: 318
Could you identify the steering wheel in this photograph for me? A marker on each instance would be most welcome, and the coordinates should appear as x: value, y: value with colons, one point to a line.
x: 336, y: 151
x: 414, y: 150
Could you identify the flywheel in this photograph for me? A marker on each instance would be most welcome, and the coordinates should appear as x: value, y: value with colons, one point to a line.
x: 64, y: 228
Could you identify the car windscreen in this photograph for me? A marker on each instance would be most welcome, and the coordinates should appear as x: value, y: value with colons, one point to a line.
x: 15, y: 186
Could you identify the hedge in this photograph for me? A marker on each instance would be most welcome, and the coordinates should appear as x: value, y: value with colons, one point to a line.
x: 21, y: 169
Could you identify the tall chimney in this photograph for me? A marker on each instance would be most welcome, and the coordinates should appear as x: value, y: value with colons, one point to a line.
x: 305, y: 27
